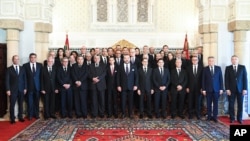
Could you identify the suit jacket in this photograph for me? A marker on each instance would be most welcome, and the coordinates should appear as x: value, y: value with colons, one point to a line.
x: 145, y: 79
x: 48, y: 82
x: 111, y: 79
x: 15, y: 82
x: 137, y: 62
x: 238, y: 82
x: 63, y: 77
x: 33, y: 81
x: 80, y: 74
x: 158, y: 80
x: 121, y: 61
x: 127, y: 82
x: 150, y: 60
x: 178, y: 80
x: 194, y: 81
x: 99, y: 72
x: 212, y: 83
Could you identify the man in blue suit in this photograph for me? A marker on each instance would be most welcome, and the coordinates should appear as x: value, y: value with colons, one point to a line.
x: 236, y: 87
x: 212, y: 87
x: 16, y: 86
x: 33, y: 73
x: 127, y: 82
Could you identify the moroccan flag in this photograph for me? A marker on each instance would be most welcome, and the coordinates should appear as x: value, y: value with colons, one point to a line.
x: 186, y: 47
x: 66, y: 45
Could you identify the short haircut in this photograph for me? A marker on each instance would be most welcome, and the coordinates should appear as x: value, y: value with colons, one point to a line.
x: 210, y: 57
x: 159, y: 60
x: 32, y: 54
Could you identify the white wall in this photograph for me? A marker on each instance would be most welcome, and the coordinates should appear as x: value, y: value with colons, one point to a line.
x: 2, y: 36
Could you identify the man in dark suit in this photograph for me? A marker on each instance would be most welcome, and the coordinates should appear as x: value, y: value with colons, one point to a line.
x: 79, y: 73
x: 212, y: 87
x: 161, y: 80
x: 97, y: 73
x: 134, y: 59
x: 127, y: 83
x: 33, y: 74
x: 194, y: 73
x: 49, y: 88
x: 111, y: 77
x: 64, y: 84
x: 118, y: 58
x: 178, y: 89
x: 145, y: 88
x: 145, y: 52
x: 16, y: 88
x: 236, y: 87
x: 104, y: 56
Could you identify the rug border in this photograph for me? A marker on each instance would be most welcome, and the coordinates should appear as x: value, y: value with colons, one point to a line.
x: 23, y: 130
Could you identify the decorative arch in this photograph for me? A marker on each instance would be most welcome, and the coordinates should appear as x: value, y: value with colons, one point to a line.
x: 124, y: 43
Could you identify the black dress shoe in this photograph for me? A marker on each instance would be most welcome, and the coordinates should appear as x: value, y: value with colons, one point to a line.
x: 141, y: 116
x: 182, y: 116
x: 198, y: 117
x: 215, y: 120
x: 12, y: 121
x: 109, y: 116
x: 84, y: 117
x: 208, y: 119
x: 37, y: 117
x: 21, y: 120
x: 54, y: 117
x: 240, y: 121
x: 123, y: 116
x: 190, y: 117
x: 116, y: 116
x: 172, y: 116
x: 150, y: 116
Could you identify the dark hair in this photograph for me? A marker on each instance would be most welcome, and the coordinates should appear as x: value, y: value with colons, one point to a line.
x: 32, y: 54
x: 159, y: 60
x: 57, y: 52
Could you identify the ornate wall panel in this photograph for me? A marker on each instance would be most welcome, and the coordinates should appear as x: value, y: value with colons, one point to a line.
x: 122, y: 10
x: 102, y: 11
x: 142, y: 11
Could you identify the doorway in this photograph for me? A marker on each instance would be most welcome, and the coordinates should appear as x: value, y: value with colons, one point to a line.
x: 3, y: 67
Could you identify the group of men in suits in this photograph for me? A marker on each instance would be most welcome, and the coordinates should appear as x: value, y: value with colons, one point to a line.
x: 123, y: 77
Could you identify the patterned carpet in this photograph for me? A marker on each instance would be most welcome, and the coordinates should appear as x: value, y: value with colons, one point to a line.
x: 122, y: 130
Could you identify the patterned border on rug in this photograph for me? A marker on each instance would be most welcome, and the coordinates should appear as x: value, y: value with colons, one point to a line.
x: 69, y: 129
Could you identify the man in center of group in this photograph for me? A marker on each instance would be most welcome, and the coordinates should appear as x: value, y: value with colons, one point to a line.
x: 127, y: 82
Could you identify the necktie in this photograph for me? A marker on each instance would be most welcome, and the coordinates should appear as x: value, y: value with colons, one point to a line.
x: 16, y: 70
x: 105, y: 61
x: 235, y: 70
x: 96, y: 65
x: 212, y: 70
x: 195, y: 70
x: 33, y: 68
x: 127, y: 69
x: 50, y: 71
x: 161, y: 72
x: 145, y: 70
x: 178, y: 71
x: 118, y: 61
x: 65, y: 70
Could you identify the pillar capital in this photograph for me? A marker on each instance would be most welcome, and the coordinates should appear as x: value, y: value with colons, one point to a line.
x: 11, y: 24
x: 43, y: 27
x: 208, y: 28
x: 239, y: 25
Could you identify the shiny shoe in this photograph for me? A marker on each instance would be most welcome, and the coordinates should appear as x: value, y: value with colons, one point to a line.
x: 21, y: 120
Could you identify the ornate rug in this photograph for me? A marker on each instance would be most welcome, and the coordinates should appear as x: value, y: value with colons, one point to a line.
x: 124, y: 130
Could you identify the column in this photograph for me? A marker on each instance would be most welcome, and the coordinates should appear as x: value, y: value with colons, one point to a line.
x: 42, y: 31
x: 241, y: 32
